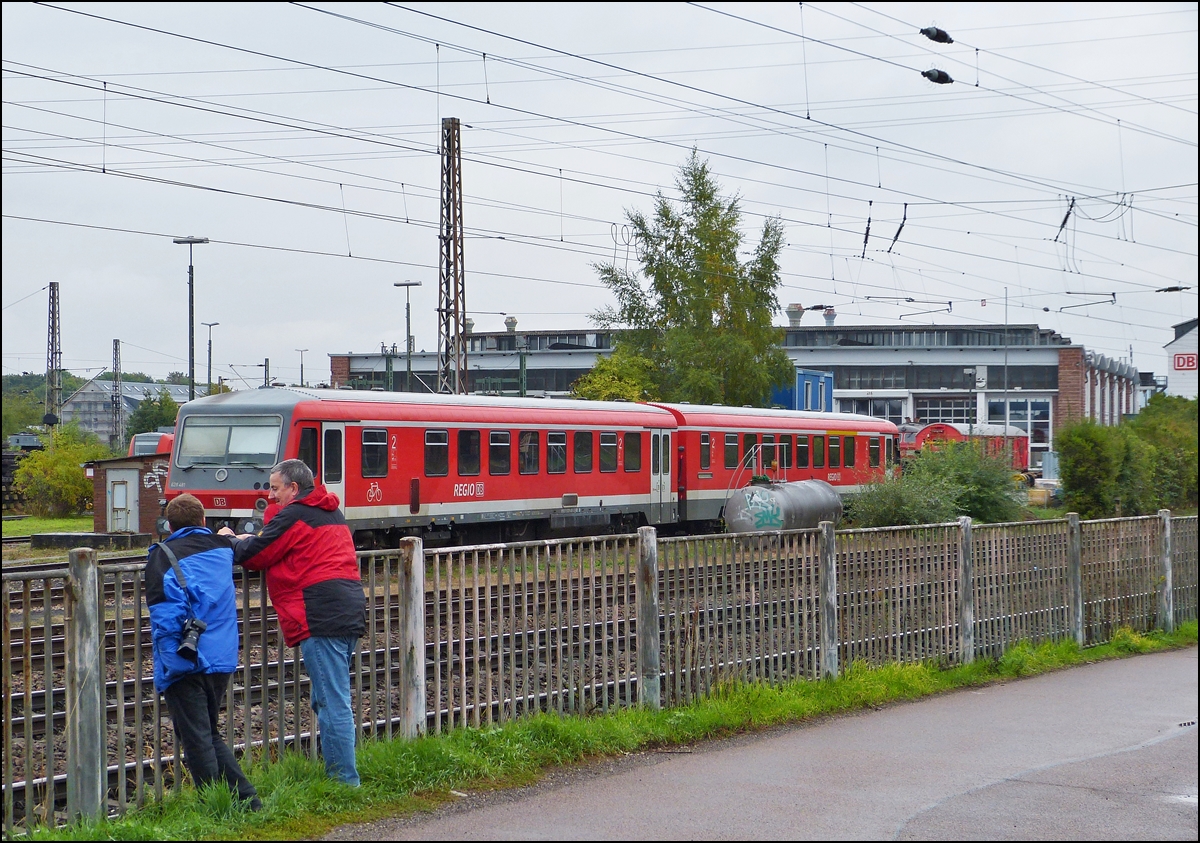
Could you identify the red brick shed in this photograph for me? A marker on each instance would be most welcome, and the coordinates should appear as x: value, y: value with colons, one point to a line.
x: 127, y: 491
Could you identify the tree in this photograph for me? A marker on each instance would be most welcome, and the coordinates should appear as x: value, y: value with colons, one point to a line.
x: 53, y: 480
x: 177, y: 378
x: 1168, y: 422
x: 22, y: 411
x: 128, y: 377
x: 697, y: 314
x: 621, y: 376
x: 153, y: 413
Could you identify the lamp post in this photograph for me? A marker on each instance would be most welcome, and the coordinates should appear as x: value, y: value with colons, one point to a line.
x: 210, y: 326
x: 302, y: 350
x: 407, y: 285
x: 190, y: 242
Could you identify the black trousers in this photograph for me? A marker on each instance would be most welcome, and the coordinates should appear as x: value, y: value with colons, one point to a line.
x: 195, y: 702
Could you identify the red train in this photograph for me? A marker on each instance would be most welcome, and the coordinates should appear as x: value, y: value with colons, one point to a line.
x: 459, y: 468
x: 994, y: 438
x: 157, y: 442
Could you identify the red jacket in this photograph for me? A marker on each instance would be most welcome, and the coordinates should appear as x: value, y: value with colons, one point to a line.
x: 312, y: 572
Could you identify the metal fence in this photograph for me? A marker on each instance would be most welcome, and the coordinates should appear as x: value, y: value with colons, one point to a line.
x: 476, y: 636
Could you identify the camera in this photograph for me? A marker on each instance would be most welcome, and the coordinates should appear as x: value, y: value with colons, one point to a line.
x: 191, y: 638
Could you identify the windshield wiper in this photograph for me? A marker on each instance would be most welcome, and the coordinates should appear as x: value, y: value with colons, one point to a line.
x: 199, y: 464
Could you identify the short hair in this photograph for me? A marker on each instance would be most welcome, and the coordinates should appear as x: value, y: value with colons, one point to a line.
x: 185, y: 511
x: 295, y: 471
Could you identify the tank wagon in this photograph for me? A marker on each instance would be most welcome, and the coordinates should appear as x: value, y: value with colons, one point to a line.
x: 454, y: 468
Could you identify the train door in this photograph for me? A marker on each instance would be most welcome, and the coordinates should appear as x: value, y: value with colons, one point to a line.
x: 333, y: 459
x: 660, y: 477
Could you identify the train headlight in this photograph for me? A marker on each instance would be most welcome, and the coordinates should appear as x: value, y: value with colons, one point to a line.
x: 250, y: 525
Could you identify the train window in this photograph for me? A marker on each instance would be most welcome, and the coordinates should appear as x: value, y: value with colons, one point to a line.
x: 785, y: 451
x: 749, y: 440
x: 528, y: 448
x: 583, y: 451
x: 556, y: 452
x: 873, y: 451
x: 633, y: 451
x: 333, y: 456
x: 731, y: 450
x: 770, y: 457
x: 468, y: 452
x: 608, y: 452
x: 801, y: 452
x: 835, y: 452
x: 308, y: 451
x: 818, y: 452
x: 666, y: 454
x: 848, y: 452
x: 891, y: 452
x: 374, y: 453
x: 655, y: 448
x: 705, y: 451
x: 499, y: 452
x: 229, y: 440
x: 437, y: 453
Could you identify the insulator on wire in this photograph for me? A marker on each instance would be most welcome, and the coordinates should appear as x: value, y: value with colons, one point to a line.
x: 939, y: 76
x: 933, y: 33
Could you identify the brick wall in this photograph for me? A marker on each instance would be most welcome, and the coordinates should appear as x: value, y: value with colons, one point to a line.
x: 151, y: 470
x: 1072, y: 371
x: 339, y: 371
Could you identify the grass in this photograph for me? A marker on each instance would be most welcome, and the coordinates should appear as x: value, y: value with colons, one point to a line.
x: 34, y: 524
x: 401, y: 777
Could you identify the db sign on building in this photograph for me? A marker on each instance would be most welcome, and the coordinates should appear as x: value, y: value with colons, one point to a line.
x: 1184, y: 362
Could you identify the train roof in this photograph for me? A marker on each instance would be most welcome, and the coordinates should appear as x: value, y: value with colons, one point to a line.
x: 977, y: 429
x: 277, y: 399
x: 693, y: 414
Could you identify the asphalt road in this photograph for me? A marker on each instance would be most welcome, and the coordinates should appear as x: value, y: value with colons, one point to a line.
x: 1105, y: 751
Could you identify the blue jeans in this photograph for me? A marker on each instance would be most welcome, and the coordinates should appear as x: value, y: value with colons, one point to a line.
x: 327, y: 661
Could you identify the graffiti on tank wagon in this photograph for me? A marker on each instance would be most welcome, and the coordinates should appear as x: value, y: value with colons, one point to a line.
x: 764, y: 510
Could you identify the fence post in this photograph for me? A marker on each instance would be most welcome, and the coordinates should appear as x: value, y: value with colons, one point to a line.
x: 649, y: 666
x: 1166, y: 594
x: 827, y: 550
x: 1074, y: 578
x: 412, y: 662
x: 966, y: 592
x: 86, y: 715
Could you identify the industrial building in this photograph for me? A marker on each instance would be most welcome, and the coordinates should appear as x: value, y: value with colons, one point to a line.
x: 1023, y: 375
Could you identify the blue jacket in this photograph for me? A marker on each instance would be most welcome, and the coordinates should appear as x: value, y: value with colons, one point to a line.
x: 207, y: 564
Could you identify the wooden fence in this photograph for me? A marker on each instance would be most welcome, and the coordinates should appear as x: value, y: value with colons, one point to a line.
x: 481, y: 635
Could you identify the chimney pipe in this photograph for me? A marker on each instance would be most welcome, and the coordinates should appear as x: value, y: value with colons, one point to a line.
x: 510, y: 324
x: 468, y: 325
x: 830, y: 315
x: 795, y: 312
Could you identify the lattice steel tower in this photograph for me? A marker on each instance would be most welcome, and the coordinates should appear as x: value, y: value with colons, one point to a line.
x: 118, y: 403
x: 452, y: 297
x: 53, y: 361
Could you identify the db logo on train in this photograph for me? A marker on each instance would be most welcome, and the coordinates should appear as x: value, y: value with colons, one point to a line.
x: 1184, y: 362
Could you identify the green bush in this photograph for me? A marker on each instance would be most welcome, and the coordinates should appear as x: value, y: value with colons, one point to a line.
x: 1089, y: 463
x: 937, y: 486
x: 53, y: 480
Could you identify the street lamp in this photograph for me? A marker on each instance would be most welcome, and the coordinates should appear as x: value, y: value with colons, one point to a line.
x: 210, y: 326
x: 189, y: 242
x: 302, y: 350
x: 408, y: 343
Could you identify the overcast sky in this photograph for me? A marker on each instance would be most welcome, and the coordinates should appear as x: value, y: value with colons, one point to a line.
x: 303, y: 141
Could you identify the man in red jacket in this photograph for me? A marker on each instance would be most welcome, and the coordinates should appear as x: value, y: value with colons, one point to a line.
x: 313, y: 579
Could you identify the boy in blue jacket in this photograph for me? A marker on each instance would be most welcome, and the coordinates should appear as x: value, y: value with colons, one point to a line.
x: 192, y: 603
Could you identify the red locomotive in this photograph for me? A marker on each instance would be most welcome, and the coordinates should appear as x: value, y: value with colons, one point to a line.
x: 465, y: 467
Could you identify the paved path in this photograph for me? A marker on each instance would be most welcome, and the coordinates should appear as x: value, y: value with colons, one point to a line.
x: 1105, y: 751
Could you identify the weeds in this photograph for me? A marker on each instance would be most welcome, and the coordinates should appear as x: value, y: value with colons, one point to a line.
x: 408, y: 776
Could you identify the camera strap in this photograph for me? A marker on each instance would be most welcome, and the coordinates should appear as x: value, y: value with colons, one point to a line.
x: 178, y: 573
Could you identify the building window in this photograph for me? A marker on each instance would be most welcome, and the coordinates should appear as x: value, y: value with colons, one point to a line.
x: 374, y: 453
x: 948, y: 410
x: 528, y: 449
x: 437, y: 453
x: 468, y: 452
x: 891, y: 409
x: 556, y: 452
x: 499, y: 452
